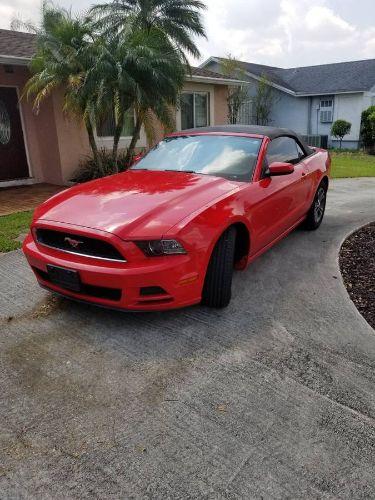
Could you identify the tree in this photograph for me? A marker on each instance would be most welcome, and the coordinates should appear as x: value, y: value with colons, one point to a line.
x: 263, y: 102
x: 66, y: 58
x: 171, y: 26
x: 237, y: 94
x: 159, y: 76
x: 341, y: 128
x: 368, y: 129
x: 138, y: 72
x: 177, y: 20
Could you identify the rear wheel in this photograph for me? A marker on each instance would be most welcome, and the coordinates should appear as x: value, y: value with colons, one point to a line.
x: 217, y: 289
x: 316, y: 213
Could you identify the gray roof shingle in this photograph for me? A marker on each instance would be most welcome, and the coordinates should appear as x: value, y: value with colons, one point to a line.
x: 17, y: 44
x: 322, y: 79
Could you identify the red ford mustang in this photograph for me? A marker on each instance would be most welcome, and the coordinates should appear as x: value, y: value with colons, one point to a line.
x: 169, y: 232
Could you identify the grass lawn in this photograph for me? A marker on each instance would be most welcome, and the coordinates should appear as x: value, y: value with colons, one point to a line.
x: 357, y: 164
x: 11, y: 226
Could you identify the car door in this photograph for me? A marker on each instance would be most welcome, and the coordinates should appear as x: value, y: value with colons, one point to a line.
x: 282, y: 199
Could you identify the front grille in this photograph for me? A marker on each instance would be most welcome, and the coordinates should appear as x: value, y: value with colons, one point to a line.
x: 77, y: 244
x: 100, y: 292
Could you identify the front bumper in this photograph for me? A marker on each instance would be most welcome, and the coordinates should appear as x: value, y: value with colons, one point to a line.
x: 177, y: 275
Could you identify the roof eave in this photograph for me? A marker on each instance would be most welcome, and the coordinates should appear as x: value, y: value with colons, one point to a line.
x: 214, y: 80
x: 252, y: 75
x: 272, y: 83
x: 210, y: 59
x: 333, y: 92
x: 14, y: 60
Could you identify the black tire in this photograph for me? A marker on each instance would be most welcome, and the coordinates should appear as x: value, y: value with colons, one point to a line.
x: 316, y: 212
x: 217, y: 289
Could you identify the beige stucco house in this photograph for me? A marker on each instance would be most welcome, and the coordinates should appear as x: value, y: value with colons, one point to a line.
x: 47, y: 147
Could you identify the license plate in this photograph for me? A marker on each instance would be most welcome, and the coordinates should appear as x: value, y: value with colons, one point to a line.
x: 66, y: 278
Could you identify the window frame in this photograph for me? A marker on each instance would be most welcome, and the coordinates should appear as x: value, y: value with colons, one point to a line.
x: 326, y: 108
x: 300, y: 158
x: 266, y: 164
x: 207, y: 93
x: 110, y: 137
x: 324, y: 101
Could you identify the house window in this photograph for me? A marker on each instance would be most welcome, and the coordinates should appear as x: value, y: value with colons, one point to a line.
x: 326, y: 104
x: 106, y: 127
x: 326, y: 111
x: 195, y: 109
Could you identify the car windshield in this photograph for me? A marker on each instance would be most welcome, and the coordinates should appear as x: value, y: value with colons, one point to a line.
x: 232, y: 157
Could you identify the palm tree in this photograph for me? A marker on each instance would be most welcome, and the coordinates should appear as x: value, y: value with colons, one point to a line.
x: 155, y: 37
x: 138, y: 72
x: 178, y: 20
x: 66, y: 57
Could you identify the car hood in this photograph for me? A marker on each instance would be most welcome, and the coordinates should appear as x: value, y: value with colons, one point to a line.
x: 137, y: 203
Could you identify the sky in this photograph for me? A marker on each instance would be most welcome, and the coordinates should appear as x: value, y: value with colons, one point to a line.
x: 284, y: 33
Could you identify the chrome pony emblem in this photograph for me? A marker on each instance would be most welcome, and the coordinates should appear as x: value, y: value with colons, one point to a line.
x: 72, y: 242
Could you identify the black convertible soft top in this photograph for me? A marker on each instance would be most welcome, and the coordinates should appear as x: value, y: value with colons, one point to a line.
x: 271, y: 132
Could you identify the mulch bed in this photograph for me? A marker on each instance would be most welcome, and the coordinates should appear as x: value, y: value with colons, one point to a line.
x: 357, y: 264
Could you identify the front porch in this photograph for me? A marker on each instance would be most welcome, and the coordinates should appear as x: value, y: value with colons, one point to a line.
x: 22, y: 198
x: 35, y: 147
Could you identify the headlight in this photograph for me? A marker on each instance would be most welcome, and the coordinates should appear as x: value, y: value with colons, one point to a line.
x: 156, y: 248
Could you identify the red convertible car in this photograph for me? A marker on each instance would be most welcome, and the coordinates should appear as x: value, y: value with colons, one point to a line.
x: 169, y: 232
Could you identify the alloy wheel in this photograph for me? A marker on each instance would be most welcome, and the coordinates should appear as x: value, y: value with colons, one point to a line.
x: 320, y: 203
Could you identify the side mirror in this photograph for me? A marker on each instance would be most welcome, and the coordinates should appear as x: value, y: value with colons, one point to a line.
x: 280, y: 168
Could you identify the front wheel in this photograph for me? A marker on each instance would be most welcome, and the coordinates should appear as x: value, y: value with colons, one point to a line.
x: 316, y: 213
x: 217, y: 289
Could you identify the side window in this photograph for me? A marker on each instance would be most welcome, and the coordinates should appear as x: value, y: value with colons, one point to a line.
x: 301, y: 154
x: 284, y: 149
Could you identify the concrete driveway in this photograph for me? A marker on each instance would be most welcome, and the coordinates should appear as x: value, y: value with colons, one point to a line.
x: 273, y: 397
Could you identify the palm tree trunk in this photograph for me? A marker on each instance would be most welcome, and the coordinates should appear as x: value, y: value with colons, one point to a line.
x: 133, y: 142
x: 116, y: 139
x: 94, y: 146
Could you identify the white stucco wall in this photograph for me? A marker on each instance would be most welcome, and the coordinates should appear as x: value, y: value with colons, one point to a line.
x: 290, y: 112
x: 349, y: 107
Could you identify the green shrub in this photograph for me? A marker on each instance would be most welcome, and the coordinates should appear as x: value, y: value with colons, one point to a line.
x: 88, y: 168
x: 368, y: 129
x: 340, y: 129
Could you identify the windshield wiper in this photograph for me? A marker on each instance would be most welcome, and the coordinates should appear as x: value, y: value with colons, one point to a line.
x: 181, y: 171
